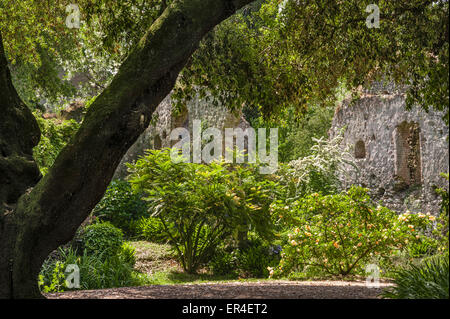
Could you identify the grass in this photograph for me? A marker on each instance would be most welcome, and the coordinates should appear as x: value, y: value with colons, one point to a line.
x: 147, y: 251
x: 175, y: 277
x: 158, y: 265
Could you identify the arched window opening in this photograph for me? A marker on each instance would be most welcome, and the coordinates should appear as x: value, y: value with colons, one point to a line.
x: 407, y: 153
x: 360, y: 149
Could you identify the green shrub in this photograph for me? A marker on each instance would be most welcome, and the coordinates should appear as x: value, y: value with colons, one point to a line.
x: 102, y: 239
x: 223, y: 262
x: 250, y: 261
x: 201, y: 205
x: 151, y: 229
x: 425, y: 246
x: 257, y: 259
x: 52, y: 277
x: 442, y: 226
x: 54, y: 136
x: 95, y: 272
x: 121, y: 207
x: 128, y: 253
x: 429, y: 280
x: 339, y: 234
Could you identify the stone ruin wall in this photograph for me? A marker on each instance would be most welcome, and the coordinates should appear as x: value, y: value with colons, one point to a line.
x: 157, y: 135
x: 400, y: 154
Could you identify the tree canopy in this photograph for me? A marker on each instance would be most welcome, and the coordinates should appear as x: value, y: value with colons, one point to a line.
x: 272, y: 55
x: 306, y: 51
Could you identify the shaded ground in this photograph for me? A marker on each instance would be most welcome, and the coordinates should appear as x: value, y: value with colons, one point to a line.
x: 275, y: 289
x: 169, y: 282
x: 152, y: 258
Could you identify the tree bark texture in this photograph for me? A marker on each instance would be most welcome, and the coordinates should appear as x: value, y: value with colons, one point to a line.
x: 49, y: 214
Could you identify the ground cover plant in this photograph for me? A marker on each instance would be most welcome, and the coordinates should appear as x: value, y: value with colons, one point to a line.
x: 103, y: 259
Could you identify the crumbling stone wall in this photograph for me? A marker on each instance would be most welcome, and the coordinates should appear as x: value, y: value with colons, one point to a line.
x: 157, y: 135
x: 399, y: 153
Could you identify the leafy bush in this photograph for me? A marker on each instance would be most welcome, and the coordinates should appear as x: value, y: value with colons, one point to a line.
x: 338, y: 234
x: 52, y: 277
x: 54, y: 136
x: 95, y: 272
x: 429, y: 280
x: 250, y: 261
x: 318, y: 172
x: 223, y: 262
x: 151, y: 229
x: 201, y: 205
x: 128, y: 253
x: 102, y: 239
x: 442, y: 226
x: 257, y: 259
x: 121, y: 207
x: 424, y: 246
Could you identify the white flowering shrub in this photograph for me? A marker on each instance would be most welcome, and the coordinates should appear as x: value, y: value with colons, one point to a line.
x: 320, y: 171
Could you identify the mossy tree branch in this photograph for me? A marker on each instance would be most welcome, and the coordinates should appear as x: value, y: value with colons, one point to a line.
x: 49, y: 215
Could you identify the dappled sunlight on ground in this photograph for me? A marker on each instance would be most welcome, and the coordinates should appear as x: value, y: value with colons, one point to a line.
x: 274, y: 289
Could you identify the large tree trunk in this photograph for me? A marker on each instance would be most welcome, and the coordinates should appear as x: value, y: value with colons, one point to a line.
x: 49, y: 215
x: 19, y: 133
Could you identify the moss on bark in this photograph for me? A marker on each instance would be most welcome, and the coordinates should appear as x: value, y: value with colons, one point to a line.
x: 50, y: 214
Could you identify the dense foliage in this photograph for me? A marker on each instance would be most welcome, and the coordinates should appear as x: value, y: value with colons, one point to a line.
x: 304, y: 52
x: 102, y: 239
x: 338, y: 234
x: 201, y: 205
x: 151, y: 229
x: 296, y: 134
x: 121, y: 207
x: 95, y: 272
x: 428, y: 280
x: 55, y: 134
x: 275, y: 55
x: 249, y: 261
x: 104, y: 260
x: 442, y: 228
x: 42, y: 47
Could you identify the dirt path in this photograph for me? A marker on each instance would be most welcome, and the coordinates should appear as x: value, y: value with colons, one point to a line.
x: 275, y: 289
